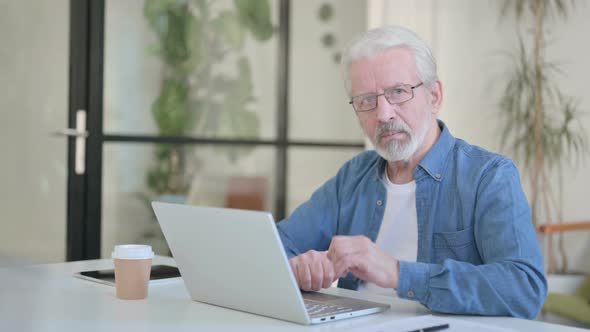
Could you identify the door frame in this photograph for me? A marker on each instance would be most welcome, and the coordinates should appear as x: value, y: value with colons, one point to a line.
x: 85, y: 93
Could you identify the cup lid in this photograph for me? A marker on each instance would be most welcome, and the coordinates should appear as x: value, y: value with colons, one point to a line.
x: 133, y: 251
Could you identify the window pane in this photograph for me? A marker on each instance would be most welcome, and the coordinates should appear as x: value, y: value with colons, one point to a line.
x: 181, y: 84
x: 309, y: 168
x: 136, y: 174
x: 318, y: 103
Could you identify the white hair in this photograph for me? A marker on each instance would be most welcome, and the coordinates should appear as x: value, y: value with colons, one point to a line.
x: 375, y: 41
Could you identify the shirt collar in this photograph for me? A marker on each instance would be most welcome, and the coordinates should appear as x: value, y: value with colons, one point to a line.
x: 434, y: 161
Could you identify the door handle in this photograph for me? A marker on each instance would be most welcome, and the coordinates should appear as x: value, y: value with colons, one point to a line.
x: 69, y: 132
x: 80, y: 134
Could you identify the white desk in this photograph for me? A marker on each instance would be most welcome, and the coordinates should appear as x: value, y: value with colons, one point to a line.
x: 48, y: 298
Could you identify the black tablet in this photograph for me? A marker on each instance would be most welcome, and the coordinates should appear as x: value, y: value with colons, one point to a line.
x: 158, y: 273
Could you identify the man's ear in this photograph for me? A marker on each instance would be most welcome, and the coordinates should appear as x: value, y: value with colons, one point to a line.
x: 436, y: 96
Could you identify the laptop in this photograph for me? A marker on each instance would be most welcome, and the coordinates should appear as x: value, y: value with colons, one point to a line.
x: 235, y: 259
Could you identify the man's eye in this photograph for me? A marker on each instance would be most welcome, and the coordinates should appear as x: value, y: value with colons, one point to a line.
x: 367, y: 100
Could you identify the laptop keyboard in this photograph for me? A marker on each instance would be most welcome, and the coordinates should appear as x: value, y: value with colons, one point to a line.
x: 318, y: 309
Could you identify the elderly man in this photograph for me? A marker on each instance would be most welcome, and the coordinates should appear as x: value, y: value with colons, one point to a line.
x: 427, y: 216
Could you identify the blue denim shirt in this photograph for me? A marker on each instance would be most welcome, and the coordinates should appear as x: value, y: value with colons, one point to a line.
x: 477, y: 249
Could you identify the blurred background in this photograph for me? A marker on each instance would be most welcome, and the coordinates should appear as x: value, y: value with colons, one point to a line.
x: 107, y: 105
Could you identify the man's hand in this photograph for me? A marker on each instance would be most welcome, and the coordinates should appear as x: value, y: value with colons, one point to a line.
x: 313, y: 270
x: 360, y: 256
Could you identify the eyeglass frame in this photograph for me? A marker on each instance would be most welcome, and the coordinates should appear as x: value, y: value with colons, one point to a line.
x: 377, y: 95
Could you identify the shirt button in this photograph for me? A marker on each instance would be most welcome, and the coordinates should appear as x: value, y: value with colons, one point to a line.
x: 437, y: 176
x: 410, y: 293
x: 379, y: 202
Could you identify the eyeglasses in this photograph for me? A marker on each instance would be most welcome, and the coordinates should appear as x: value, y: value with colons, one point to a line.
x: 394, y: 95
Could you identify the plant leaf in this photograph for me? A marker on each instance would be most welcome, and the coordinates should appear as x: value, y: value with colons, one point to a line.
x: 255, y: 15
x: 228, y: 26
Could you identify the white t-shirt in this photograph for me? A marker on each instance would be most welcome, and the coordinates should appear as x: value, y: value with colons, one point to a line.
x: 398, y: 235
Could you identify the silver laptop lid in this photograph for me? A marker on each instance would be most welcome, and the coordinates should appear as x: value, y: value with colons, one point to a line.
x: 232, y: 258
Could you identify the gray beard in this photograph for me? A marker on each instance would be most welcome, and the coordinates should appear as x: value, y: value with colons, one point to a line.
x: 396, y: 150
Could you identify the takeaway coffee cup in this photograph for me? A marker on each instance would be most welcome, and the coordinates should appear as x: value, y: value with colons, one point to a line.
x: 133, y: 263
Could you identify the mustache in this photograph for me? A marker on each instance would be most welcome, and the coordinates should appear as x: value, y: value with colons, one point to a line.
x: 396, y: 126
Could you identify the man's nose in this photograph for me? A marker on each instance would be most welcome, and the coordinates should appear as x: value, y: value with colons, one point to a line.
x: 385, y: 111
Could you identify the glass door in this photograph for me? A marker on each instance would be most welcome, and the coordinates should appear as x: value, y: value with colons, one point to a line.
x: 189, y: 110
x: 188, y: 102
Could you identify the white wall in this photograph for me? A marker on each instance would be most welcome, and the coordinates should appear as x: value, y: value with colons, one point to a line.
x: 33, y: 103
x: 466, y: 36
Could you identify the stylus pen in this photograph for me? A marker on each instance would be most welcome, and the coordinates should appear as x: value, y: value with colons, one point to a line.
x: 432, y: 328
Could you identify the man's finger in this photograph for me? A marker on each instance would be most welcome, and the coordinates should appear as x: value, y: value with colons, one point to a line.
x: 342, y: 246
x: 295, y: 268
x: 303, y: 279
x: 333, y: 250
x: 342, y: 266
x: 329, y: 277
x: 317, y: 275
x: 359, y: 270
x: 330, y: 253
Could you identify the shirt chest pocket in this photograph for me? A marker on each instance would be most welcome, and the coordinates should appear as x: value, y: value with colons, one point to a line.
x: 458, y: 246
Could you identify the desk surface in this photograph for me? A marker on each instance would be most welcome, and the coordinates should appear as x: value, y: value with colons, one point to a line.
x: 48, y: 298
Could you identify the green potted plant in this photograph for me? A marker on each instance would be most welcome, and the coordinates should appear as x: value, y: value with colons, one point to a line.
x: 540, y: 123
x: 194, y: 39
